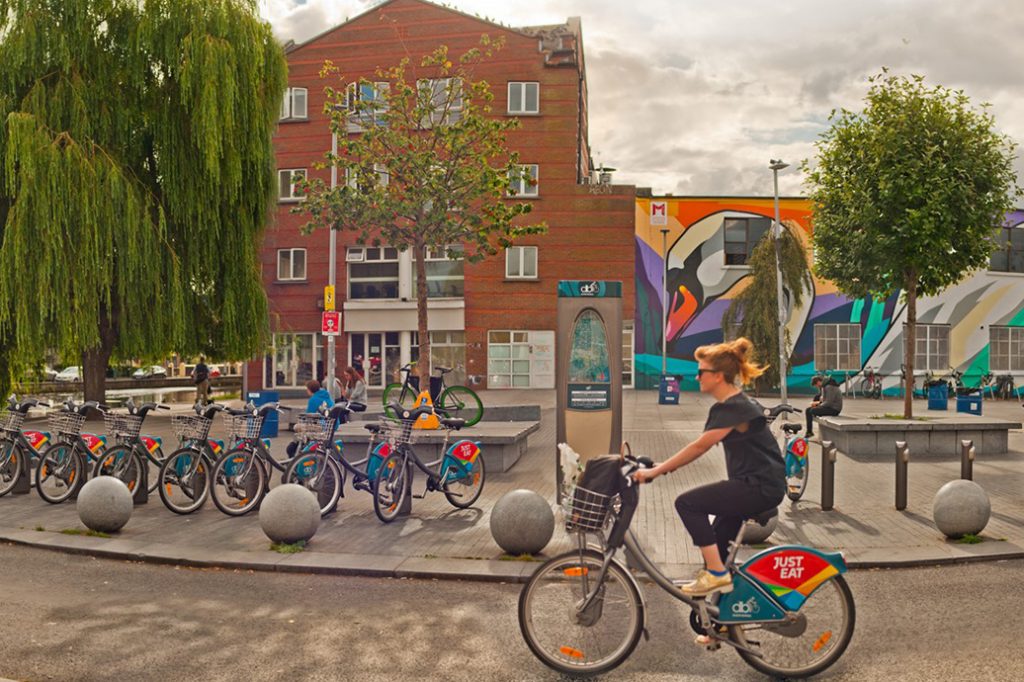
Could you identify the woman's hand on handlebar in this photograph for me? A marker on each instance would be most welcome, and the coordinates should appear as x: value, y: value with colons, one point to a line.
x: 646, y: 472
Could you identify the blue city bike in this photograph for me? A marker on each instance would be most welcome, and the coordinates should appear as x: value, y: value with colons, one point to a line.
x: 789, y: 613
x: 795, y: 451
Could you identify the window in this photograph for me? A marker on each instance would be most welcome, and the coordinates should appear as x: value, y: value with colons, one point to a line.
x: 368, y: 102
x: 520, y: 359
x: 837, y: 346
x: 445, y: 99
x: 521, y: 262
x: 380, y: 172
x: 1008, y: 255
x: 1006, y: 349
x: 291, y: 264
x: 627, y: 353
x: 932, y: 348
x: 372, y: 272
x: 522, y: 182
x: 293, y: 106
x: 447, y: 349
x: 524, y: 98
x: 286, y: 180
x: 741, y: 236
x: 445, y: 278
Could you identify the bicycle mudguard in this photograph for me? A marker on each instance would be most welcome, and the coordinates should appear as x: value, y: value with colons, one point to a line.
x: 459, y: 459
x: 93, y: 442
x: 266, y: 444
x: 380, y: 452
x: 151, y: 443
x: 791, y: 573
x: 215, y: 445
x: 339, y: 447
x: 36, y: 439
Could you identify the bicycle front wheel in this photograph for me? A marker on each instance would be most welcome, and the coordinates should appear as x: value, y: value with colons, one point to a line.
x: 121, y: 463
x: 390, y: 487
x: 575, y: 642
x: 10, y: 465
x: 806, y: 645
x: 320, y: 475
x: 61, y: 472
x: 238, y: 482
x: 463, y: 403
x: 464, y: 490
x: 183, y: 481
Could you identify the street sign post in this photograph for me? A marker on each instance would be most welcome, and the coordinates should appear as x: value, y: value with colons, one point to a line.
x: 331, y: 323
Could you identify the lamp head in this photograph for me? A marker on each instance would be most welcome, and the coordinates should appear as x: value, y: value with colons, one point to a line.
x: 778, y: 164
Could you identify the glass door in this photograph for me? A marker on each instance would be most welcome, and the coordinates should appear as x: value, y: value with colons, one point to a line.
x: 377, y: 356
x: 294, y: 361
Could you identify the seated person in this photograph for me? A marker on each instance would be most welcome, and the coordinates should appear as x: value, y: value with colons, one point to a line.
x: 828, y: 402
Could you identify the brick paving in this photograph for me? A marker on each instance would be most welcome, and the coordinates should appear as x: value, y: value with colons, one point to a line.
x: 865, y: 523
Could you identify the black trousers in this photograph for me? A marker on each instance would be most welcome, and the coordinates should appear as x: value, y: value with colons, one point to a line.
x: 731, y: 502
x: 819, y: 411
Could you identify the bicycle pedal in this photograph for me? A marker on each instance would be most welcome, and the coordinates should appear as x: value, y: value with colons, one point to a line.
x: 707, y: 642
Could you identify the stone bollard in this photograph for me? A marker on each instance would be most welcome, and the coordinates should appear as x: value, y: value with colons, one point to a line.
x: 290, y: 513
x: 902, y: 462
x: 967, y: 460
x: 522, y: 522
x: 104, y: 504
x: 961, y: 507
x: 828, y: 475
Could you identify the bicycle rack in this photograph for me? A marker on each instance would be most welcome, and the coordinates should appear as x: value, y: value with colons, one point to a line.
x: 828, y: 475
x: 24, y: 484
x: 141, y: 493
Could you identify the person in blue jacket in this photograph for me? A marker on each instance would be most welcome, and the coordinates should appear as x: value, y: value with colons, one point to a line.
x: 318, y: 396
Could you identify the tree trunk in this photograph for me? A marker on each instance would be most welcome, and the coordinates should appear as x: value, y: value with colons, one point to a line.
x: 95, y: 360
x: 910, y: 345
x: 423, y: 364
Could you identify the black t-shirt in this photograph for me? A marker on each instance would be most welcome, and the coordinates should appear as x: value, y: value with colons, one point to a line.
x: 201, y: 373
x: 751, y: 452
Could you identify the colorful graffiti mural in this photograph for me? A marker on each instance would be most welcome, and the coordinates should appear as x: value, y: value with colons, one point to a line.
x: 700, y: 287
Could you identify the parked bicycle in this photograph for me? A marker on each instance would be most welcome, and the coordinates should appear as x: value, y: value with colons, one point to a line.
x: 871, y: 384
x: 795, y: 451
x: 64, y: 465
x: 1005, y: 386
x: 19, y: 449
x: 459, y: 472
x: 455, y: 401
x: 132, y: 451
x: 240, y: 477
x: 183, y: 481
x: 790, y: 613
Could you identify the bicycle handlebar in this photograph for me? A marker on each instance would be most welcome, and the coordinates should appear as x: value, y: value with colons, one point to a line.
x: 773, y: 412
x: 407, y: 415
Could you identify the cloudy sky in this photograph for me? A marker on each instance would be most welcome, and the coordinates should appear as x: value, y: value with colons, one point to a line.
x: 695, y: 97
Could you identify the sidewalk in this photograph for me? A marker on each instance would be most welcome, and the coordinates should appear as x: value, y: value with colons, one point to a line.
x: 438, y: 540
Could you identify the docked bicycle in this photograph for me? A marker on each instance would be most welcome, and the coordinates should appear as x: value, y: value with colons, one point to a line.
x: 133, y: 456
x: 19, y: 450
x: 184, y: 478
x: 64, y: 465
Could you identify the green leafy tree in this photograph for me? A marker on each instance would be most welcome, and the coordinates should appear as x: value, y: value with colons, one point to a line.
x: 754, y: 313
x: 422, y: 164
x: 908, y: 194
x: 136, y: 174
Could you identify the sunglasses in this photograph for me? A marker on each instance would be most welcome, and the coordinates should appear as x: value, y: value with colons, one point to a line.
x: 701, y: 371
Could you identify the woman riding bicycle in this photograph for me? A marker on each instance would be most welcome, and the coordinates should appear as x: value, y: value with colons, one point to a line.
x: 757, y: 473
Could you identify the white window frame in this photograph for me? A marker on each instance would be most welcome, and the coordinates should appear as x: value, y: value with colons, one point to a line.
x: 519, y: 187
x: 433, y: 255
x: 840, y: 340
x: 381, y: 171
x: 373, y: 254
x: 539, y: 367
x: 293, y: 173
x: 516, y: 256
x: 1005, y: 355
x: 628, y: 358
x: 289, y: 110
x: 748, y: 245
x: 934, y: 359
x: 369, y: 91
x: 291, y: 276
x: 438, y: 89
x: 523, y: 87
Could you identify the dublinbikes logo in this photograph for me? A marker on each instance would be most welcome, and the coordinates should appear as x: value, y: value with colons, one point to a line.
x: 744, y: 609
x: 589, y: 288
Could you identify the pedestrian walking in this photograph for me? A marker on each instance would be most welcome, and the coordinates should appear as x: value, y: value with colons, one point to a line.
x: 201, y: 378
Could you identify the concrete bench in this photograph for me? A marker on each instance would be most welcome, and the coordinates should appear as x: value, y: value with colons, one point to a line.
x: 502, y: 443
x: 934, y: 436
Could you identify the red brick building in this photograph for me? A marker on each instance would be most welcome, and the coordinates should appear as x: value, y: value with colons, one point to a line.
x: 494, y: 321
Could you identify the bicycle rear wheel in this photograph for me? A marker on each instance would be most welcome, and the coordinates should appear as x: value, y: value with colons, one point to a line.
x: 463, y: 403
x: 818, y: 636
x: 390, y: 487
x: 154, y: 461
x: 462, y: 492
x: 393, y: 393
x: 122, y: 463
x: 580, y: 643
x: 10, y: 465
x: 183, y: 481
x: 238, y: 482
x: 60, y: 474
x: 320, y: 475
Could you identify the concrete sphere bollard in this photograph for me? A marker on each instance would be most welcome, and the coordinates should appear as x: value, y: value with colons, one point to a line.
x: 104, y: 504
x: 522, y: 522
x: 290, y: 513
x: 961, y: 507
x: 755, y: 533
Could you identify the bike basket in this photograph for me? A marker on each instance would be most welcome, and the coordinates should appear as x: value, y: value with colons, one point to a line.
x: 66, y: 423
x: 243, y: 426
x: 313, y: 427
x: 12, y: 421
x: 585, y: 510
x: 123, y: 425
x: 191, y: 426
x: 396, y: 433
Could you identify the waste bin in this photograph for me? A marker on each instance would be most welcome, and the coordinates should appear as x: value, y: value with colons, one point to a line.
x: 938, y: 396
x: 969, y: 404
x: 668, y: 391
x: 270, y: 421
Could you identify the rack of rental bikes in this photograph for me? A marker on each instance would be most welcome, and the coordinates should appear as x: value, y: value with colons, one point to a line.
x: 234, y: 472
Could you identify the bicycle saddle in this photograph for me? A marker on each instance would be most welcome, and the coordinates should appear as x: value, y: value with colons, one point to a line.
x: 373, y: 428
x: 764, y: 517
x: 791, y: 428
x: 453, y: 423
x: 442, y: 370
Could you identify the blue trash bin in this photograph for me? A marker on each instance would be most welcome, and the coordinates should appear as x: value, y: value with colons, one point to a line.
x: 668, y: 390
x: 969, y: 404
x: 938, y: 396
x: 270, y: 422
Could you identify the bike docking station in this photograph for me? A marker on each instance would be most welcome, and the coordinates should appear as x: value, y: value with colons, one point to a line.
x: 588, y: 371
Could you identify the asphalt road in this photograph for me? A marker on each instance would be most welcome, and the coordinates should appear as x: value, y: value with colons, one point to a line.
x: 65, y: 617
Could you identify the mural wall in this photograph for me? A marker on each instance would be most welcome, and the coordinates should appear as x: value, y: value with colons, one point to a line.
x: 700, y: 287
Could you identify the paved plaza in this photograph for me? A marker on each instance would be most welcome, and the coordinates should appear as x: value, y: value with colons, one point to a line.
x: 439, y: 540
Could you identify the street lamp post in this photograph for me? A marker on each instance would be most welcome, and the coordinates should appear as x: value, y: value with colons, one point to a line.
x: 332, y: 266
x: 664, y: 301
x: 776, y: 165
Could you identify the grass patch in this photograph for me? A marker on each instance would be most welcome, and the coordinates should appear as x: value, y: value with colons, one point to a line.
x: 79, y: 531
x: 429, y: 556
x: 521, y: 557
x: 970, y: 539
x: 40, y: 529
x: 900, y: 417
x: 288, y: 547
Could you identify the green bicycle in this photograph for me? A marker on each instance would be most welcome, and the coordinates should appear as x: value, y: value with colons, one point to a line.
x: 459, y: 402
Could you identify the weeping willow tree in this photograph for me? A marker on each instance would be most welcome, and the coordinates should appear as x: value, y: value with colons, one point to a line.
x: 754, y: 313
x: 136, y: 175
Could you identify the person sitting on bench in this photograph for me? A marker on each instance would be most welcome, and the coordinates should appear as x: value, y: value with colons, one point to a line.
x: 828, y: 402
